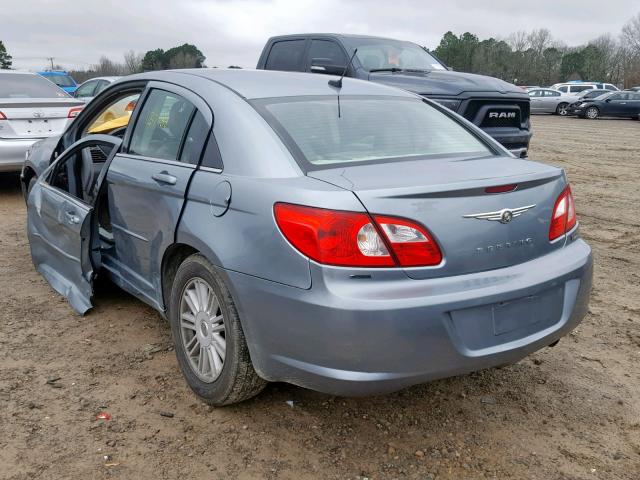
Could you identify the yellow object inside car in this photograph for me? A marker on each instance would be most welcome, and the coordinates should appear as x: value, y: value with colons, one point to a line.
x: 111, y: 125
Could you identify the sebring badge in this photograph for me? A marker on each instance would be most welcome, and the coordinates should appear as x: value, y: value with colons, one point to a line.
x: 503, y: 216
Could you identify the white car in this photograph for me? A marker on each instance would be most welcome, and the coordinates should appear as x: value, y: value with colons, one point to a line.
x: 92, y: 87
x: 577, y: 87
x: 547, y: 100
x: 31, y: 108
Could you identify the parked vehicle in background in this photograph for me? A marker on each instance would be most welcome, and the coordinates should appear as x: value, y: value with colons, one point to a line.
x: 62, y: 79
x: 92, y: 87
x: 577, y: 87
x: 31, y: 108
x: 497, y: 107
x: 261, y: 213
x: 546, y: 100
x: 529, y: 87
x: 584, y: 96
x: 615, y: 104
x: 634, y: 89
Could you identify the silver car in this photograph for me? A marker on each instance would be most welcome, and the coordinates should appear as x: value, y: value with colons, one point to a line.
x: 547, y: 100
x: 341, y: 235
x: 92, y: 87
x: 31, y: 108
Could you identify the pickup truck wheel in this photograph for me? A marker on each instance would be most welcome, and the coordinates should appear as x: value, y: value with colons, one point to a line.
x: 562, y: 109
x: 208, y: 338
x: 592, y: 113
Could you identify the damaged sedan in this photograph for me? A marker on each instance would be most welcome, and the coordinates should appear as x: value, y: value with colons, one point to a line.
x: 340, y: 235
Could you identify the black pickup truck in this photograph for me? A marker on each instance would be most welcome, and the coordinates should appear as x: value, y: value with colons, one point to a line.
x: 499, y: 108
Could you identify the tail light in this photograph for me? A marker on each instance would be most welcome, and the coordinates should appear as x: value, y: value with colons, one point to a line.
x: 130, y: 106
x: 564, y: 217
x: 356, y: 239
x: 2, y: 116
x: 74, y: 112
x: 501, y: 188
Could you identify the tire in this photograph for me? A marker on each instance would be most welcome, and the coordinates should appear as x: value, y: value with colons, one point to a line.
x: 561, y: 109
x: 592, y: 113
x: 235, y: 380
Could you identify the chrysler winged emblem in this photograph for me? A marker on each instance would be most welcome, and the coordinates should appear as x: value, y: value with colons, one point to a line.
x: 503, y: 216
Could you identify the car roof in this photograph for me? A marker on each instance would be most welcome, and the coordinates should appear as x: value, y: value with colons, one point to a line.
x: 254, y: 84
x: 21, y: 72
x: 338, y: 35
x: 111, y: 78
x: 54, y: 73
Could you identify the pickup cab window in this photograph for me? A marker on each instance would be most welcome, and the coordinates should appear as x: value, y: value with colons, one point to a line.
x: 286, y: 55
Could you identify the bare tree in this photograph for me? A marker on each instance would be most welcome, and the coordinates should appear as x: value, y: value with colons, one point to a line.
x: 132, y: 62
x: 631, y: 34
x: 518, y: 41
x: 107, y: 67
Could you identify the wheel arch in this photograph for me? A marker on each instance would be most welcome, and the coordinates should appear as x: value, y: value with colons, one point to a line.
x: 27, y: 174
x: 173, y: 256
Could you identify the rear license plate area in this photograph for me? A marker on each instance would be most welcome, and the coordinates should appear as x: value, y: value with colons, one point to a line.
x: 496, y: 323
x: 508, y: 316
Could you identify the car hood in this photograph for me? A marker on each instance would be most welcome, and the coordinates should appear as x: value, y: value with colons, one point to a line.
x: 444, y: 82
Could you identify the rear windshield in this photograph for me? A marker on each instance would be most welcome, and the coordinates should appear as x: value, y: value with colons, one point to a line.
x: 61, y: 80
x: 19, y: 85
x: 366, y: 129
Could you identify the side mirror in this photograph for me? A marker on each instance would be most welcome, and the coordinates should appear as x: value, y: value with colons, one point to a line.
x: 608, y: 100
x: 322, y: 65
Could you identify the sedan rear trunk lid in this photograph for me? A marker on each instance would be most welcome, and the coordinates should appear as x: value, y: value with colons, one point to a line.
x: 448, y: 197
x: 35, y: 117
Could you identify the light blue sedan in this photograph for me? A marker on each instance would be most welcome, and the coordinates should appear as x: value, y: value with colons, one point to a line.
x: 341, y: 235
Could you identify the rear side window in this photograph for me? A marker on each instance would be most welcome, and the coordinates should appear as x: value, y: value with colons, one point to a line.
x: 212, y: 157
x: 286, y: 55
x: 326, y: 52
x: 161, y: 126
x: 194, y: 141
x: 86, y: 89
x: 102, y: 84
x: 564, y: 89
x: 23, y: 85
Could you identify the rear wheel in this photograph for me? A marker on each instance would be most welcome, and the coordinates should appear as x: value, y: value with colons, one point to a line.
x: 209, y: 341
x: 562, y: 109
x: 592, y: 113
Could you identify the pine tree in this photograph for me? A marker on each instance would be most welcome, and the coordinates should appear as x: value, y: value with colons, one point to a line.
x: 5, y: 58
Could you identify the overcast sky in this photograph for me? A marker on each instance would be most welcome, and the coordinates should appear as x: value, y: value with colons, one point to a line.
x: 232, y: 32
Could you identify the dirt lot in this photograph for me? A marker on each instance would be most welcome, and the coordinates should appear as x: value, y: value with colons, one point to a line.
x: 569, y: 412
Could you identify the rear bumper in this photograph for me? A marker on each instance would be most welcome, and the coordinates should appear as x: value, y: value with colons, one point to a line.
x: 12, y: 153
x: 358, y: 336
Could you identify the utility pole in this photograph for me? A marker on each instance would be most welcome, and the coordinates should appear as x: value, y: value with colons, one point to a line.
x: 51, y: 60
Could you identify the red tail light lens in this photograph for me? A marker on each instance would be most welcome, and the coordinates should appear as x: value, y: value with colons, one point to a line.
x: 74, y: 112
x: 564, y: 216
x: 501, y: 188
x: 412, y: 245
x: 354, y: 239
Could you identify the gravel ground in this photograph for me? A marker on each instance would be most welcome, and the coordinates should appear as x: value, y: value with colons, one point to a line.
x: 569, y: 412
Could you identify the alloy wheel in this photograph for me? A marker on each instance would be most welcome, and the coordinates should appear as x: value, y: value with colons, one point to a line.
x: 202, y: 330
x: 563, y: 109
x: 592, y: 113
